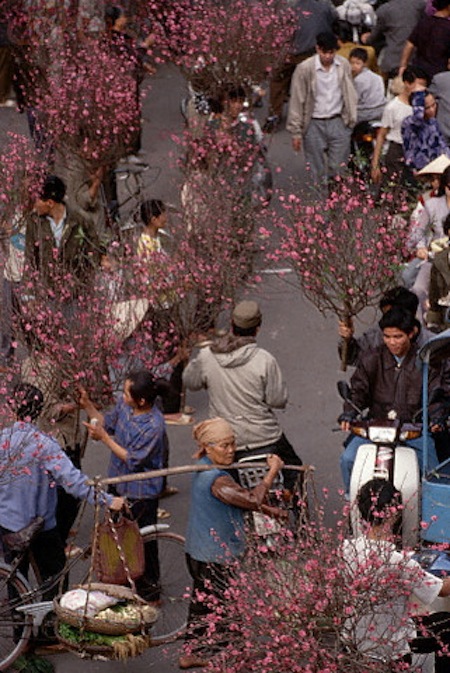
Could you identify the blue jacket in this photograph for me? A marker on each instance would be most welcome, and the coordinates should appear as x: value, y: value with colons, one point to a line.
x: 31, y: 464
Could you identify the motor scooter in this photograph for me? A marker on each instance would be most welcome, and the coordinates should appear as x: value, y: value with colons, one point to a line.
x: 362, y: 143
x: 386, y: 457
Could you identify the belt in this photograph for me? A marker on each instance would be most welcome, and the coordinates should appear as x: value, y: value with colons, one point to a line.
x: 325, y: 119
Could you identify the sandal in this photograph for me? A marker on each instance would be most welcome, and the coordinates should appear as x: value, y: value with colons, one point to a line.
x: 168, y: 491
x: 178, y: 419
x: 191, y: 661
x: 163, y: 513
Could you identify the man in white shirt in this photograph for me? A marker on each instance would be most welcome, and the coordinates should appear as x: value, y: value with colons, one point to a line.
x: 322, y: 109
x: 387, y: 587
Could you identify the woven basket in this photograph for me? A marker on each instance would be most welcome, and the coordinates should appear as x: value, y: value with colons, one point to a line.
x: 106, y: 652
x: 100, y: 652
x: 109, y: 627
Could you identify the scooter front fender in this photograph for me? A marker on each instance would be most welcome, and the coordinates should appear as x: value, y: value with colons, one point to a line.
x: 406, y: 480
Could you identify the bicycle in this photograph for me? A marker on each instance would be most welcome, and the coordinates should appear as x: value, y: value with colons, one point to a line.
x: 123, y: 212
x: 251, y: 471
x: 22, y: 613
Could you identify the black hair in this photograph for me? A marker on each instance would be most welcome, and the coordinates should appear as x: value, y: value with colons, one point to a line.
x: 445, y: 180
x: 377, y: 500
x: 54, y: 189
x: 360, y: 53
x: 144, y: 386
x: 150, y: 209
x: 411, y: 73
x: 446, y: 225
x: 327, y: 41
x: 235, y: 93
x: 27, y: 402
x: 113, y: 13
x: 215, y: 105
x: 343, y: 30
x: 440, y: 4
x: 244, y: 331
x: 400, y: 318
x: 400, y: 296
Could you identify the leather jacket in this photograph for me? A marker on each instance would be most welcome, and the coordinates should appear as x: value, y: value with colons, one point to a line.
x: 382, y: 385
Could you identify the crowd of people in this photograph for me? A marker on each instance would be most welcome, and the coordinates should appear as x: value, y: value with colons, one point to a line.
x: 332, y: 81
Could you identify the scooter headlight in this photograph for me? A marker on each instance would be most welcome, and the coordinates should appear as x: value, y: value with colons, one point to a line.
x: 380, y: 434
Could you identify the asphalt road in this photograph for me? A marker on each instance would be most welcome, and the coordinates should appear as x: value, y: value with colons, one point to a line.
x: 303, y: 341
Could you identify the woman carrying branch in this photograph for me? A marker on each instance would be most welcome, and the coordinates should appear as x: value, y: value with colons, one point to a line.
x: 135, y: 433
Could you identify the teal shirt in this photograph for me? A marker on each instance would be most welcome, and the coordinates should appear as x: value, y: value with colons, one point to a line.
x: 215, y: 532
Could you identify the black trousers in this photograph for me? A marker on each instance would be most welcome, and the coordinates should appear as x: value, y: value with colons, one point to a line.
x: 68, y: 506
x: 282, y: 448
x: 209, y: 581
x: 146, y: 513
x: 48, y: 552
x: 436, y: 635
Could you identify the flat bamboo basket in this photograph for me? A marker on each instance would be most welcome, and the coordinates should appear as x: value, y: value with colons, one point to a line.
x: 109, y: 627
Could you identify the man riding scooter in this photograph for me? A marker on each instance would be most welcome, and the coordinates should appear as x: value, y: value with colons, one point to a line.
x: 388, y: 382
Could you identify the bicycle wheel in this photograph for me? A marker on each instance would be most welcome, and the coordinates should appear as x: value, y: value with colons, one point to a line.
x: 175, y: 587
x: 15, y: 627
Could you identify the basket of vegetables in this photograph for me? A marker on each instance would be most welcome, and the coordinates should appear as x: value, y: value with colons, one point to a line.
x: 87, y: 644
x: 105, y: 609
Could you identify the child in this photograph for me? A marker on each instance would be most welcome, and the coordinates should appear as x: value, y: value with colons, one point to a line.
x: 154, y: 217
x: 369, y: 87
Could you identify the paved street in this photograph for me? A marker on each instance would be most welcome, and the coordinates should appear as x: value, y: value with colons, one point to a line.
x: 302, y: 340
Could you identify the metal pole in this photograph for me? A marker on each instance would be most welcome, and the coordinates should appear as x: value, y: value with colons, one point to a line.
x: 425, y: 375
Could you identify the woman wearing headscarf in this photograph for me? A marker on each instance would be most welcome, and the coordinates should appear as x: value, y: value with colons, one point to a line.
x: 215, y: 535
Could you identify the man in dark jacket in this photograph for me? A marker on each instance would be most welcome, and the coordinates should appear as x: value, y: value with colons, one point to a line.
x: 373, y: 337
x: 60, y: 244
x: 388, y: 382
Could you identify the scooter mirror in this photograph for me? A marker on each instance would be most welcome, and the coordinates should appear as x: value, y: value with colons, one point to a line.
x: 344, y: 390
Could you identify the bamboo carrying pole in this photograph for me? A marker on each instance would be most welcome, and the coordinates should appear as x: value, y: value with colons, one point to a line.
x: 185, y: 469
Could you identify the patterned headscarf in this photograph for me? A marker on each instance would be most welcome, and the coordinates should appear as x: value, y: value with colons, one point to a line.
x: 212, y: 431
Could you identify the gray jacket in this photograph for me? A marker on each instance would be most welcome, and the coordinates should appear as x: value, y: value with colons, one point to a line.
x: 314, y: 17
x: 245, y: 384
x: 440, y: 87
x: 303, y: 91
x: 396, y: 20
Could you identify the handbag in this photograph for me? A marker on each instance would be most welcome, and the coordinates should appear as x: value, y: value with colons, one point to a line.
x: 119, y: 555
x: 20, y: 540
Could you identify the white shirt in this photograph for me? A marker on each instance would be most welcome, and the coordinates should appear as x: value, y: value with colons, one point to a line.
x: 329, y: 100
x: 382, y: 625
x: 394, y: 114
x: 57, y: 229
